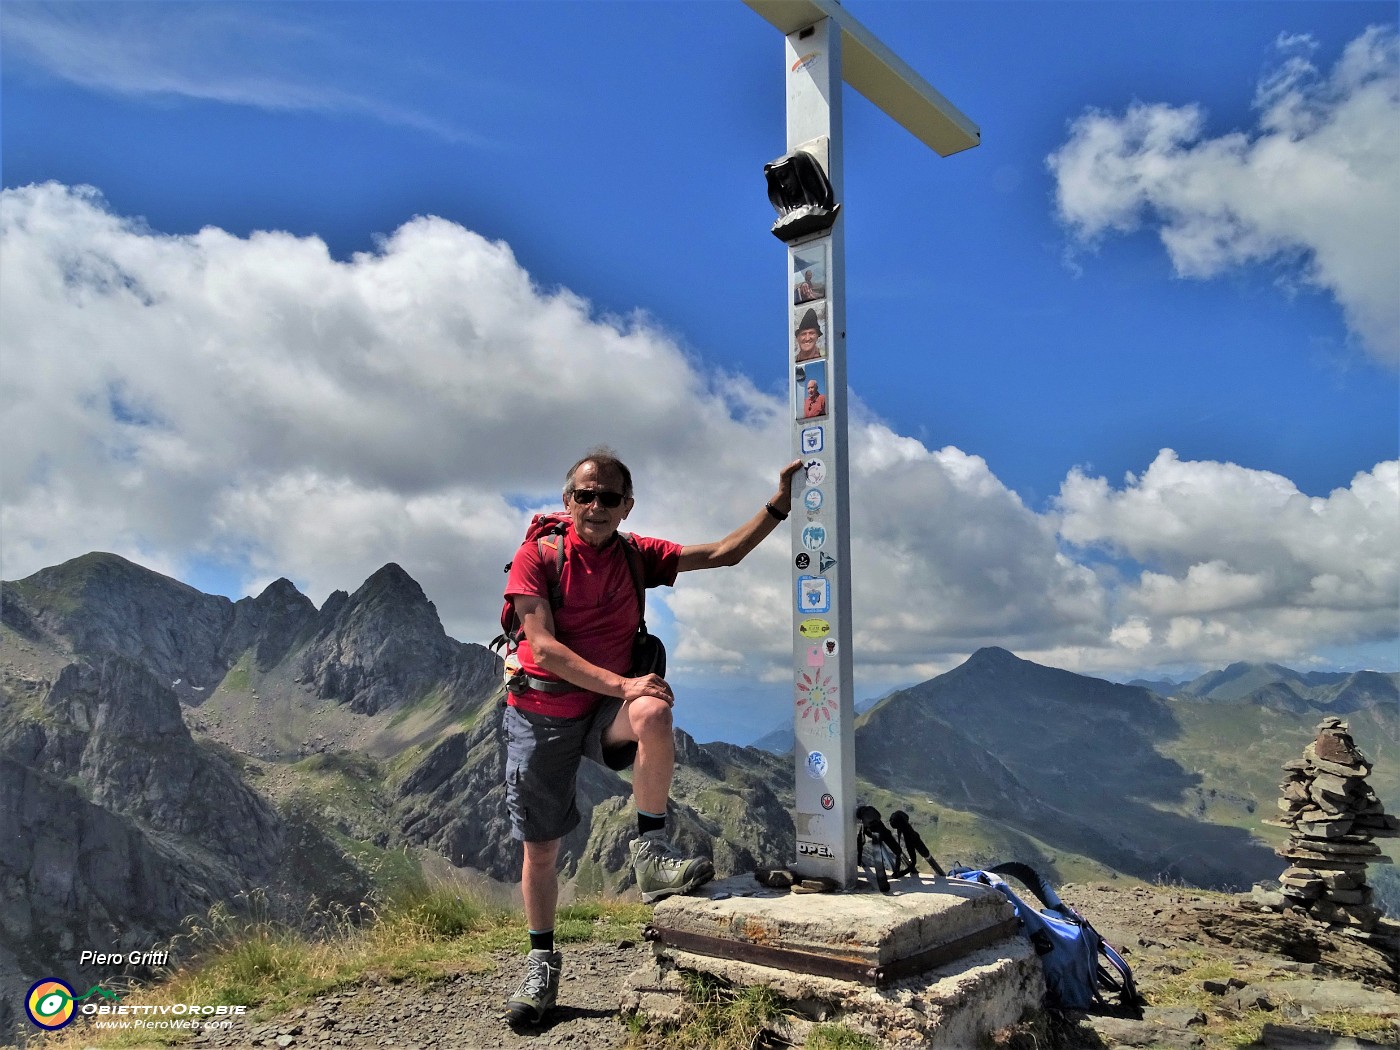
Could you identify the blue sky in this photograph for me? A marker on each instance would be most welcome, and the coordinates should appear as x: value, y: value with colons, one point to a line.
x: 1173, y: 237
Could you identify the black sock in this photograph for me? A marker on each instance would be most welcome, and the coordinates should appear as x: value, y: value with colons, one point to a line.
x: 650, y: 822
x: 542, y: 940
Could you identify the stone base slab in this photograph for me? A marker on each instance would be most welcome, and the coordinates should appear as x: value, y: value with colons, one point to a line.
x: 857, y: 935
x: 953, y: 1007
x: 751, y: 935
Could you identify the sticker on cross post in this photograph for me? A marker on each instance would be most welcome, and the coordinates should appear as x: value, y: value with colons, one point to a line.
x: 809, y: 333
x: 811, y: 384
x: 817, y: 698
x: 809, y: 273
x: 813, y: 594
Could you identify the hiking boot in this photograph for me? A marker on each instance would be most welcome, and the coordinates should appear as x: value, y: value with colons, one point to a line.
x: 538, y: 990
x: 662, y: 870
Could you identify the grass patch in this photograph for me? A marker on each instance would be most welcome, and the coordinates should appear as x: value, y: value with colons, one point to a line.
x: 436, y: 698
x: 404, y: 763
x: 837, y: 1037
x: 1184, y: 988
x: 594, y: 921
x: 239, y: 678
x: 1357, y: 1026
x: 352, y: 764
x: 342, y: 779
x: 394, y: 872
x: 717, y: 1016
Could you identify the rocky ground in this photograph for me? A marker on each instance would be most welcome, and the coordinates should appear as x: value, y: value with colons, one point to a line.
x: 1284, y: 970
x: 1208, y: 964
x: 464, y: 1012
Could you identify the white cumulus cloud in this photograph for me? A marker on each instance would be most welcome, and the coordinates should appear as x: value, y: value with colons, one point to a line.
x: 1313, y: 186
x: 252, y: 401
x: 1238, y: 560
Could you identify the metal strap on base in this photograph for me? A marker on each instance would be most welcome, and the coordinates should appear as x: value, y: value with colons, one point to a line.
x: 859, y: 971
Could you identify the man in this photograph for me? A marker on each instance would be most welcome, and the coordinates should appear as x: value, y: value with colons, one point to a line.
x: 808, y: 332
x: 580, y: 701
x: 815, y: 405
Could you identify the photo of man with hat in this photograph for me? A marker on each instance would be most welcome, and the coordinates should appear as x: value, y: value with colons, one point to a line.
x: 809, y: 333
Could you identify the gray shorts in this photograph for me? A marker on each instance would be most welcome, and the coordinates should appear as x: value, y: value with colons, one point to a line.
x: 542, y: 758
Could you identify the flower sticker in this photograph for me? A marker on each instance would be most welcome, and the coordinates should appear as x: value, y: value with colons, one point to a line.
x: 816, y: 697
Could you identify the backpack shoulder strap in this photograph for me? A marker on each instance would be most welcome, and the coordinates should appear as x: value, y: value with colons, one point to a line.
x: 552, y: 542
x: 1119, y: 979
x: 1036, y: 884
x: 549, y: 535
x: 633, y: 553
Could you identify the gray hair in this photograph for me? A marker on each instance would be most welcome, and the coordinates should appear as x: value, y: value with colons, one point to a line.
x: 602, y: 458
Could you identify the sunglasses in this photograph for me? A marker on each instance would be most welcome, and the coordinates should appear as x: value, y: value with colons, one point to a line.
x: 609, y: 500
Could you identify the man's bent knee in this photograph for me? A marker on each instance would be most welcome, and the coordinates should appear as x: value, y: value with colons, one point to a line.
x: 651, y: 717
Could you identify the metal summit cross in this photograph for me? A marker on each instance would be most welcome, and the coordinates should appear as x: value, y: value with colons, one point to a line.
x: 824, y: 46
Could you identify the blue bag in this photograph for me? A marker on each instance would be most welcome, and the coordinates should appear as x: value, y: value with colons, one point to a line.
x: 1082, y: 970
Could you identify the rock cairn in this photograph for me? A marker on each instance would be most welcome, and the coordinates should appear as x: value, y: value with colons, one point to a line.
x: 1334, y: 816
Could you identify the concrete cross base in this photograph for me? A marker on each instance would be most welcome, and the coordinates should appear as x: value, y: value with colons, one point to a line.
x: 936, y: 965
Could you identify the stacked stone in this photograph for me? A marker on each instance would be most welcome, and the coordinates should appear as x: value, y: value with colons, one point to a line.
x: 1334, y: 816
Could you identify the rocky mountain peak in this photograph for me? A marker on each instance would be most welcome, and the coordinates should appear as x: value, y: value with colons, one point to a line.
x: 270, y: 624
x: 282, y: 591
x: 382, y: 645
x: 102, y: 603
x: 391, y: 601
x: 392, y: 579
x: 994, y: 656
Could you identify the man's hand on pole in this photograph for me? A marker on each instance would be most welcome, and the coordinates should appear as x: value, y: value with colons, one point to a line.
x: 783, y: 500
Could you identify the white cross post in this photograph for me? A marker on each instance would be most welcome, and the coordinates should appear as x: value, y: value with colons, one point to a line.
x: 824, y: 46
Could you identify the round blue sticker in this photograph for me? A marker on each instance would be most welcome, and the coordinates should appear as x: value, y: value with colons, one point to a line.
x: 816, y: 765
x: 813, y: 499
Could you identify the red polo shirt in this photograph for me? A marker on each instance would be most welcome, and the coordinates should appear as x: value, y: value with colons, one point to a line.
x: 598, y: 615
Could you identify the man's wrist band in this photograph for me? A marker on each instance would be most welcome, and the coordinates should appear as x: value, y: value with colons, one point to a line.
x: 777, y: 514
